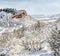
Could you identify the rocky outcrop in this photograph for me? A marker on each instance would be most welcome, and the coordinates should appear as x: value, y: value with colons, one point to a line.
x: 29, y: 36
x: 20, y: 14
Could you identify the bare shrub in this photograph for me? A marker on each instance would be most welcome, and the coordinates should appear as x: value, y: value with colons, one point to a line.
x: 55, y: 43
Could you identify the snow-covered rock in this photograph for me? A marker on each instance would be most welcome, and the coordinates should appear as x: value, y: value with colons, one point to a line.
x: 28, y: 36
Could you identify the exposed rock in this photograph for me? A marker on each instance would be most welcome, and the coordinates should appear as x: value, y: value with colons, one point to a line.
x: 20, y: 14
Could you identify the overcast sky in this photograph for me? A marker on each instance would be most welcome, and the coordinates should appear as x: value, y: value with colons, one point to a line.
x: 37, y: 7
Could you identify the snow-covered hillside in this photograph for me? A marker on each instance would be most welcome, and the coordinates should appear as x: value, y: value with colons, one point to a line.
x: 28, y: 36
x: 40, y: 17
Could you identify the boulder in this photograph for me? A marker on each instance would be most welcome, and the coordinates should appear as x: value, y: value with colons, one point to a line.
x: 20, y: 14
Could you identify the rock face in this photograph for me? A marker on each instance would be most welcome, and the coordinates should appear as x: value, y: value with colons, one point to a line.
x: 29, y: 37
x: 20, y: 14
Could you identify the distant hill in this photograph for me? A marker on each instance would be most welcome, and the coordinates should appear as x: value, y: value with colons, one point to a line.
x: 56, y: 16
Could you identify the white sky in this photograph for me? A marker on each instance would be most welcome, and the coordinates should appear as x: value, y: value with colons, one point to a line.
x: 34, y: 7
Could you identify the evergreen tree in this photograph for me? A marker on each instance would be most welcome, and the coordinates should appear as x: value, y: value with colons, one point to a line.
x: 9, y: 10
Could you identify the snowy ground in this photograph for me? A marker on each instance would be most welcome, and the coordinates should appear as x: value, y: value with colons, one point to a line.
x: 27, y: 31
